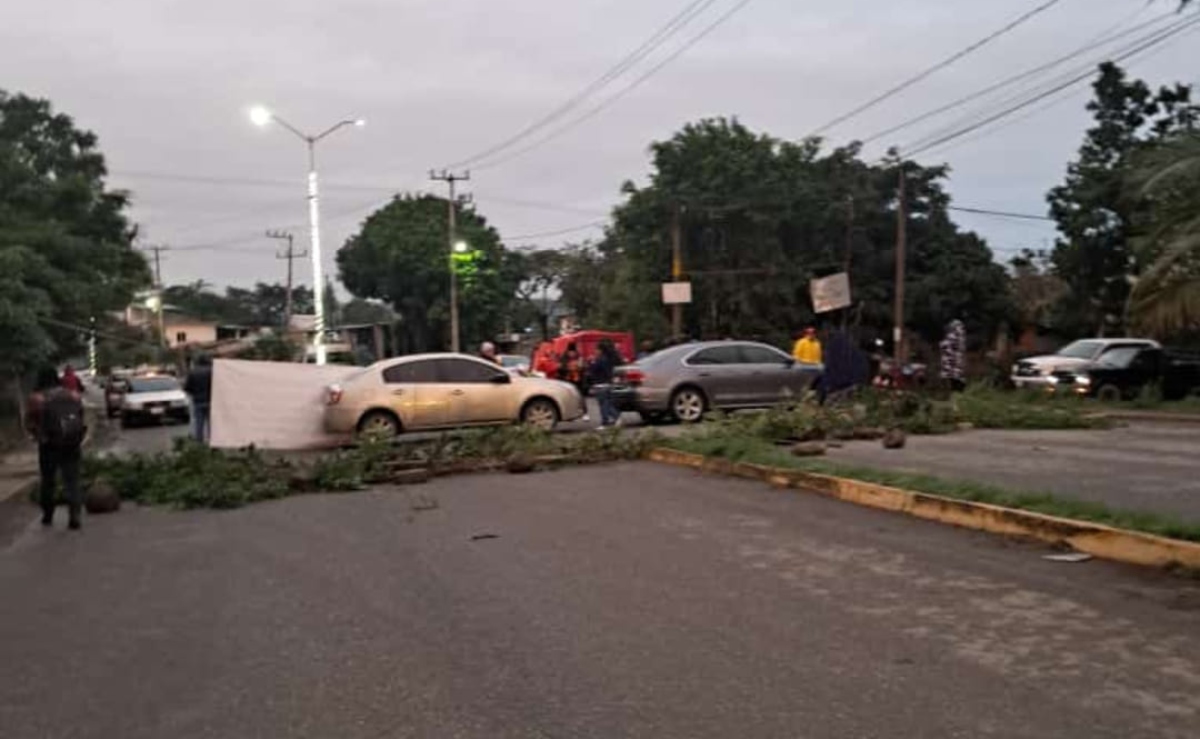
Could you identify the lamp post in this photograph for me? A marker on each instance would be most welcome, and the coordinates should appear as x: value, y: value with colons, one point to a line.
x: 263, y: 116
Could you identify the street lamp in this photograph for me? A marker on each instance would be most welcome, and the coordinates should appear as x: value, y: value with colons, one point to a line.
x: 460, y: 247
x: 262, y: 116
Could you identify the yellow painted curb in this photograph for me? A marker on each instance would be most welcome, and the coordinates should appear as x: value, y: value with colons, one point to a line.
x: 1096, y: 539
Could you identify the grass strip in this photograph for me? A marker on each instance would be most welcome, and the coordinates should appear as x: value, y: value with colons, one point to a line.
x: 756, y: 451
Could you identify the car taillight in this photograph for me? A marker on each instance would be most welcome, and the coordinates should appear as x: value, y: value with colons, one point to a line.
x: 633, y: 377
x: 334, y: 395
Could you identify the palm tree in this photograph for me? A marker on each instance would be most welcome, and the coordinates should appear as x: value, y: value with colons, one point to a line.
x: 1165, y: 300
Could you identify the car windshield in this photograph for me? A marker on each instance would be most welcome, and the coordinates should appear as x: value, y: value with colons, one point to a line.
x: 153, y: 384
x: 512, y: 360
x: 1081, y: 349
x: 1120, y: 358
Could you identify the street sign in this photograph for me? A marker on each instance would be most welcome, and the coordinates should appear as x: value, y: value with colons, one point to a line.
x: 830, y: 293
x: 676, y: 293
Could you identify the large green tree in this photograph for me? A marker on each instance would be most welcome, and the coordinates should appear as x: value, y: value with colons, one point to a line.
x: 759, y: 218
x: 263, y: 305
x: 401, y: 256
x: 66, y: 250
x: 1165, y: 300
x: 1095, y: 210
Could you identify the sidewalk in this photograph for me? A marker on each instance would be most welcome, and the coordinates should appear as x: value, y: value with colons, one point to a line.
x: 18, y: 472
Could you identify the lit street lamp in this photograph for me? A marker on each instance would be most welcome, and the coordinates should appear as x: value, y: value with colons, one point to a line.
x: 263, y: 116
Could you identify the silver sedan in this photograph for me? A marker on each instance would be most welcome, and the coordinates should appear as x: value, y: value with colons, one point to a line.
x: 685, y: 381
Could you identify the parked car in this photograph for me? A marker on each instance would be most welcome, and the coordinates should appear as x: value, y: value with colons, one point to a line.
x: 154, y: 398
x: 1036, y: 372
x: 1123, y: 373
x: 114, y: 394
x: 438, y: 391
x: 683, y: 382
x: 514, y: 363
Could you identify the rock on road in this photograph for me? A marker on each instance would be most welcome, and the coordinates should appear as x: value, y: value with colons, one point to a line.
x: 629, y: 600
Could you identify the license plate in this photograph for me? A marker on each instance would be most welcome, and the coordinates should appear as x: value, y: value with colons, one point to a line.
x: 156, y: 411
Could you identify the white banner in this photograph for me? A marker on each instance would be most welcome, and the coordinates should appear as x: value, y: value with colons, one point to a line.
x: 676, y: 293
x: 273, y: 405
x: 830, y: 293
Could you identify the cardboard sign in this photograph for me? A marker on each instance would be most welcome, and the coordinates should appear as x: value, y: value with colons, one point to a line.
x: 676, y: 293
x: 830, y: 293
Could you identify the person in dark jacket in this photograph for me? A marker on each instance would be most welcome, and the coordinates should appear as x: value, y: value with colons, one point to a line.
x: 198, y: 386
x: 54, y: 417
x: 600, y: 377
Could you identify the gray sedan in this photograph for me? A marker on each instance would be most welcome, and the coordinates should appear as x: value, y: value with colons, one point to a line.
x: 685, y: 381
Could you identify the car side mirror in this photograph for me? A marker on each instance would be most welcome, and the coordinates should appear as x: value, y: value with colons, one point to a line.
x: 789, y: 362
x: 501, y: 379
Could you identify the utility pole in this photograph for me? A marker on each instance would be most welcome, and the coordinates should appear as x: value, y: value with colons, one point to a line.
x: 676, y: 269
x: 158, y: 290
x: 901, y: 247
x: 450, y: 178
x: 290, y: 255
x: 849, y: 255
x: 92, y: 347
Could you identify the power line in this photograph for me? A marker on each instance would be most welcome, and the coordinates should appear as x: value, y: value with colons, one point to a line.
x: 1012, y: 80
x: 558, y: 232
x: 651, y: 44
x: 1160, y: 38
x: 620, y: 93
x: 892, y: 92
x: 999, y: 213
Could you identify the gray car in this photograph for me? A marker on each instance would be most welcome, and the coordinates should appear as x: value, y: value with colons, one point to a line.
x: 685, y: 381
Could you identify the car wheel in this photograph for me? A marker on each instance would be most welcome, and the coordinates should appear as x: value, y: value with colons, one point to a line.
x: 688, y: 405
x: 379, y: 425
x: 1109, y: 393
x: 540, y: 413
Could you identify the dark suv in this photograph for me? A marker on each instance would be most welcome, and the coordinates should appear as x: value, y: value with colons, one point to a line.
x: 1122, y: 373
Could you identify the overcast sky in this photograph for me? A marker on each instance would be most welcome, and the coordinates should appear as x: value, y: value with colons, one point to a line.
x: 166, y: 84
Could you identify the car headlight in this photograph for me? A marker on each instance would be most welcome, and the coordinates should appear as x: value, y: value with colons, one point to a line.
x: 1083, y: 380
x: 1052, y: 380
x: 133, y: 405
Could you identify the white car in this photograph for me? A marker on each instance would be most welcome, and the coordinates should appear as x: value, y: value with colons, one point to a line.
x: 1038, y: 372
x: 154, y: 398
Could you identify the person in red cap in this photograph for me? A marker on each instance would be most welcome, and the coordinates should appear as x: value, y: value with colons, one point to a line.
x: 807, y: 349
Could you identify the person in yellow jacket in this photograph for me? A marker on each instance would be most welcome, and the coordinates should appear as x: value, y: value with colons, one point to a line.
x: 807, y: 349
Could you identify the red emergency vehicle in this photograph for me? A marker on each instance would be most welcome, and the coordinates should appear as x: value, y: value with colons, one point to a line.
x: 587, y: 343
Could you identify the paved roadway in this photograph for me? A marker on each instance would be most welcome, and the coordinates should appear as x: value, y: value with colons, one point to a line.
x: 1144, y: 466
x: 630, y: 600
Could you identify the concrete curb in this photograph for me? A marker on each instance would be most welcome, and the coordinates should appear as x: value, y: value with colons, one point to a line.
x: 1151, y: 417
x: 1098, y: 540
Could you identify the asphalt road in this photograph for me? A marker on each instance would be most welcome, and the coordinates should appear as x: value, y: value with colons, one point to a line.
x: 1144, y: 466
x: 630, y: 600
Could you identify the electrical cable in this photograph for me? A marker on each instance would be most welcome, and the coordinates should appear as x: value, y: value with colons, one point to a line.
x: 649, y: 46
x: 929, y: 71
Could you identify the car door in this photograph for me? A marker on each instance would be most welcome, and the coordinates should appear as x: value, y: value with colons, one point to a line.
x: 772, y: 376
x: 715, y: 370
x: 477, y: 392
x: 411, y: 392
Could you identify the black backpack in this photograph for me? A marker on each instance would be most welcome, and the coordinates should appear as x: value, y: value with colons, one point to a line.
x: 62, y: 420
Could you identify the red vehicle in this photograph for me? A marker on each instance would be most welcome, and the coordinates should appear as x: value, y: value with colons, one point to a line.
x: 587, y: 343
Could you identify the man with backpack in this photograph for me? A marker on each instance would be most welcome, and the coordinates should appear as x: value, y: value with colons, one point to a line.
x: 55, y: 420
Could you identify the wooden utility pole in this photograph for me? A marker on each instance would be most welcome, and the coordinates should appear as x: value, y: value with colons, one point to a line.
x: 848, y: 257
x: 158, y: 290
x: 901, y: 248
x: 450, y: 178
x: 676, y: 270
x: 290, y: 255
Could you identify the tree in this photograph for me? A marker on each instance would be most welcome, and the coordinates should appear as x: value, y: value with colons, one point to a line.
x: 760, y: 218
x: 1094, y: 209
x: 262, y: 305
x: 1165, y: 300
x: 401, y: 256
x: 65, y: 244
x: 358, y: 311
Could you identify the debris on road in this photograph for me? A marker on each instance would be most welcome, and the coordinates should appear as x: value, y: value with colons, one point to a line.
x: 1068, y: 557
x: 482, y: 537
x: 808, y: 449
x: 895, y: 439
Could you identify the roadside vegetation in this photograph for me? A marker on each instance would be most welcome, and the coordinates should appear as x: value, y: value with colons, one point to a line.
x: 744, y: 448
x: 194, y: 476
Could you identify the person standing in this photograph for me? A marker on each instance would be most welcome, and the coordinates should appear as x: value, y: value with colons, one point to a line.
x: 487, y: 352
x: 807, y: 349
x: 570, y: 366
x: 953, y: 349
x: 600, y: 377
x: 198, y: 386
x: 54, y: 418
x: 71, y: 381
